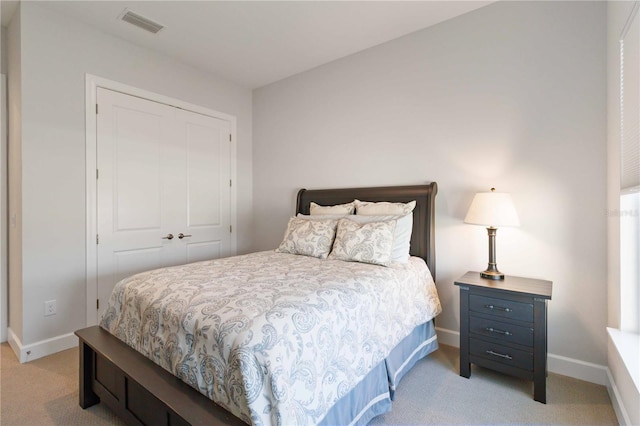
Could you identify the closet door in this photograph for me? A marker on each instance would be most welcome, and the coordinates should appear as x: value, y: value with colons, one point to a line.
x: 203, y: 229
x: 162, y: 173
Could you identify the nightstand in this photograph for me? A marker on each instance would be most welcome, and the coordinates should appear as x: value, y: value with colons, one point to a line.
x: 503, y: 326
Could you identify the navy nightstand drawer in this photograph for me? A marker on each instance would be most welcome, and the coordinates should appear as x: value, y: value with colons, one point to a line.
x: 508, y: 333
x: 501, y: 308
x: 502, y: 354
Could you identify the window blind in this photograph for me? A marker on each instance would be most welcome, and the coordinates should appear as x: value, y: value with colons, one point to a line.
x: 630, y: 104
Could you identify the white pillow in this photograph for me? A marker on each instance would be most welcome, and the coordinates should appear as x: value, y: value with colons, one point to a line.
x: 317, y: 209
x: 325, y: 216
x: 401, y: 235
x: 309, y: 237
x: 383, y: 208
x: 364, y: 242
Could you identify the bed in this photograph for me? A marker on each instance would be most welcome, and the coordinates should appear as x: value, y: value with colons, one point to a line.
x: 267, y: 358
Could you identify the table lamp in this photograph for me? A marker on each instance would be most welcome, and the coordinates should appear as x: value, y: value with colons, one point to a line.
x: 492, y: 209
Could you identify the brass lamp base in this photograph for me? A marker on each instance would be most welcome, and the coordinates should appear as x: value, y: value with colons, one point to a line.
x: 492, y: 275
x: 492, y: 272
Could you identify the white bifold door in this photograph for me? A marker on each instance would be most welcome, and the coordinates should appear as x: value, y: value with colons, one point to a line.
x: 163, y: 187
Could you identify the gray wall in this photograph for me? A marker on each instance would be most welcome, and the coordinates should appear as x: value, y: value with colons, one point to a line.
x: 56, y: 52
x: 3, y: 50
x: 512, y: 95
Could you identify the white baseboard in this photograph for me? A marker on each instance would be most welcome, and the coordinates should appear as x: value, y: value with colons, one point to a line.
x: 616, y: 401
x: 558, y: 364
x: 26, y: 353
x: 578, y: 369
x: 448, y: 337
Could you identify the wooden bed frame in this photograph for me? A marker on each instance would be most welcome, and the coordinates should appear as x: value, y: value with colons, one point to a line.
x: 141, y: 392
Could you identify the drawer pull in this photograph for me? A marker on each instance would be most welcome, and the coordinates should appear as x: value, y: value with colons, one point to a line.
x: 505, y: 356
x: 494, y: 330
x: 500, y: 308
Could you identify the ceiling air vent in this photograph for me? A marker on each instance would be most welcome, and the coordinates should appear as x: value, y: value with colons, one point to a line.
x: 140, y: 21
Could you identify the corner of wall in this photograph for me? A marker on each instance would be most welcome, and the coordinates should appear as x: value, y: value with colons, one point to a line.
x: 3, y: 210
x: 3, y: 50
x: 26, y: 353
x: 14, y: 173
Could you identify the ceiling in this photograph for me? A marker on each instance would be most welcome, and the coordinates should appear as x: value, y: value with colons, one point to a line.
x: 254, y: 43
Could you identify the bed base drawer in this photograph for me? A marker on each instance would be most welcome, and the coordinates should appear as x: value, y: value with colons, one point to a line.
x: 136, y: 389
x: 140, y: 406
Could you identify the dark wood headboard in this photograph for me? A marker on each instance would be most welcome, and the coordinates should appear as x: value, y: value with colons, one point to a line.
x: 423, y: 235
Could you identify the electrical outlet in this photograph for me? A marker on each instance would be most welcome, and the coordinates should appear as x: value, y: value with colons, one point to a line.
x: 49, y: 308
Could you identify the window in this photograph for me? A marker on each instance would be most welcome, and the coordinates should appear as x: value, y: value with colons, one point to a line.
x: 630, y: 173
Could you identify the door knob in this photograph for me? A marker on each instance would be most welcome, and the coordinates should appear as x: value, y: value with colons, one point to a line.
x: 181, y: 235
x: 169, y: 237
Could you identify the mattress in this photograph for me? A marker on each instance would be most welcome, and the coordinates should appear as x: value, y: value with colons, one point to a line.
x: 274, y: 338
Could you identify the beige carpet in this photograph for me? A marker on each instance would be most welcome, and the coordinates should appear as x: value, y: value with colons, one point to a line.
x: 45, y: 392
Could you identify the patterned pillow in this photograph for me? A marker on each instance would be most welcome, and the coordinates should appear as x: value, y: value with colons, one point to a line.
x: 317, y: 209
x: 383, y: 208
x: 401, y: 234
x: 309, y: 237
x: 364, y: 242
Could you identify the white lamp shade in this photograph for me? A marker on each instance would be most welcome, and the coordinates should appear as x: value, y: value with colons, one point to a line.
x: 492, y: 209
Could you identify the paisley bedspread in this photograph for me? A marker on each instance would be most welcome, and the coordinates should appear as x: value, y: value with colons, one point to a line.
x: 274, y: 338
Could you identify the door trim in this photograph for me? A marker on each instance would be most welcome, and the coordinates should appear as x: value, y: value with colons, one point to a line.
x: 92, y: 83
